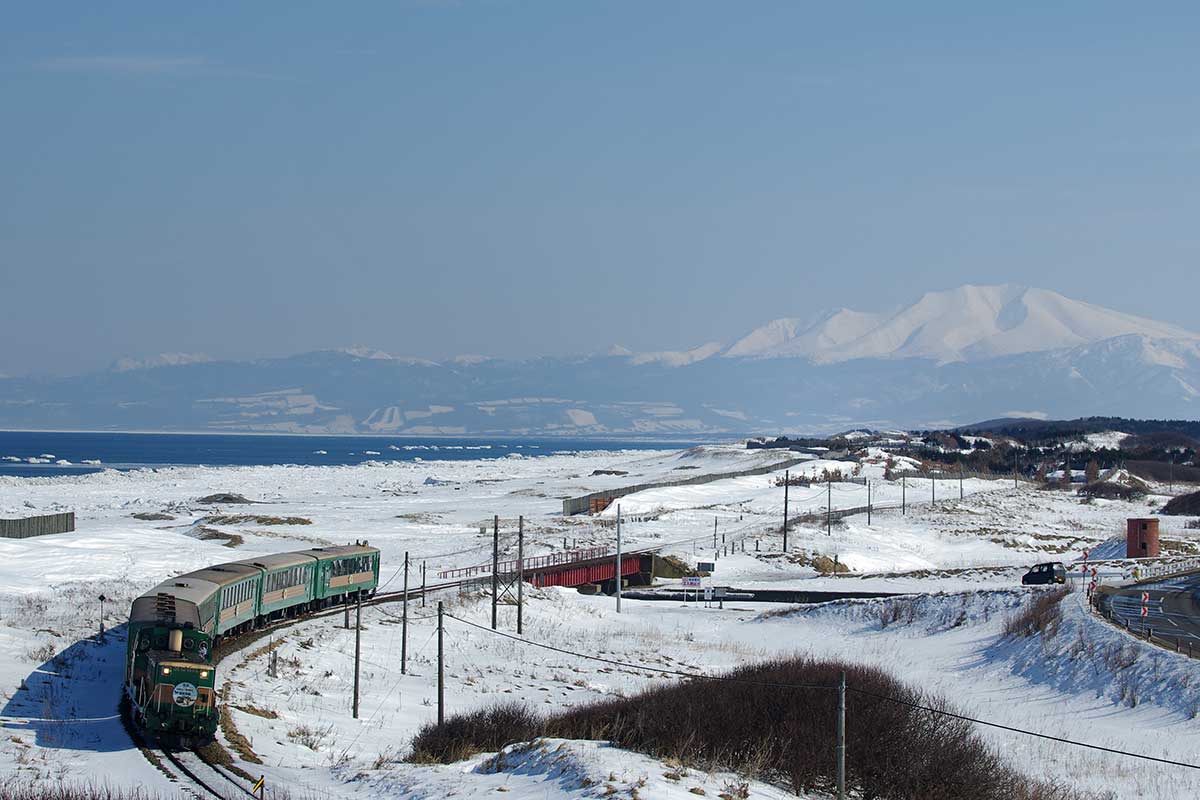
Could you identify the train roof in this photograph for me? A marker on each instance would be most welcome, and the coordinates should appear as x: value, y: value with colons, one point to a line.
x: 186, y: 589
x: 339, y: 551
x: 221, y: 574
x: 277, y: 561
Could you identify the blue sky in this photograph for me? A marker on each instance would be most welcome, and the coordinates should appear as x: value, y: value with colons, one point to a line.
x: 515, y: 178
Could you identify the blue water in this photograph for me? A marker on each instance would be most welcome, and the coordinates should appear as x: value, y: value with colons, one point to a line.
x: 125, y: 451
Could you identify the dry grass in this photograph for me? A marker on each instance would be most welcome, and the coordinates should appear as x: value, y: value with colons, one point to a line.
x: 257, y: 519
x: 227, y: 539
x: 1042, y: 616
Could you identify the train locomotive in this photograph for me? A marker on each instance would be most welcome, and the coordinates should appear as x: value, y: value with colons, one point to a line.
x: 170, y: 679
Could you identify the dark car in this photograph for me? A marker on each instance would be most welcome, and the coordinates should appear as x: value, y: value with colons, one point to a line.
x: 1053, y: 572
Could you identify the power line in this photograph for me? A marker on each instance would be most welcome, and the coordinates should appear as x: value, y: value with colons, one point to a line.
x: 630, y: 665
x: 1060, y: 739
x: 864, y: 692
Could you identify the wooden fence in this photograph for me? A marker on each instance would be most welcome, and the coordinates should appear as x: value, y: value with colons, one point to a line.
x: 37, y: 526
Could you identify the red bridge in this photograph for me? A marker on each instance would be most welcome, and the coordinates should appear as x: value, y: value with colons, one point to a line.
x: 568, y: 568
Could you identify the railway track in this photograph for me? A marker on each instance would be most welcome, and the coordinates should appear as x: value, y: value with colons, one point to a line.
x: 205, y: 777
x: 213, y: 781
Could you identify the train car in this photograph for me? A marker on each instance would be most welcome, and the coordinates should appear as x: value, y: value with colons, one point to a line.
x: 344, y: 571
x: 288, y: 584
x: 240, y: 587
x: 169, y: 678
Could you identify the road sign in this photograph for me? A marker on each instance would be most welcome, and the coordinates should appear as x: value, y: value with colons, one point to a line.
x: 1145, y: 597
x: 260, y: 785
x: 1145, y: 611
x: 706, y: 566
x: 692, y: 582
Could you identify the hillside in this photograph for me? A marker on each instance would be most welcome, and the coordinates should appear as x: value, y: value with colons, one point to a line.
x: 950, y: 358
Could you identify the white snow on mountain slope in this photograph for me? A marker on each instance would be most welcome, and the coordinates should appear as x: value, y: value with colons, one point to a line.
x: 127, y: 363
x: 678, y: 359
x: 792, y: 337
x: 964, y: 324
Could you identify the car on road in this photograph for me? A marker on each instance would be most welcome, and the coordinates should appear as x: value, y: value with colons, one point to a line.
x: 1040, y: 574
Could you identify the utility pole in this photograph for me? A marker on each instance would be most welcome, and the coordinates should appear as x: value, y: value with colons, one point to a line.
x: 841, y: 734
x: 903, y: 495
x: 346, y: 608
x: 960, y: 481
x: 829, y: 506
x: 868, y: 502
x: 441, y: 671
x: 357, y: 647
x: 714, y: 533
x: 422, y: 584
x: 933, y: 488
x: 786, y: 483
x: 495, y: 565
x: 520, y: 570
x: 619, y: 556
x: 404, y: 622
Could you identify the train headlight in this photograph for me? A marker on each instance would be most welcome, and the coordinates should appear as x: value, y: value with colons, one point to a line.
x: 166, y: 670
x: 203, y: 673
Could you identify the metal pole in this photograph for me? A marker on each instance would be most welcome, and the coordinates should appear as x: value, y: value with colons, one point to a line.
x: 357, y: 647
x: 868, y: 502
x: 903, y: 495
x: 619, y: 556
x: 933, y: 488
x: 960, y: 481
x: 404, y: 622
x: 841, y: 734
x: 829, y: 506
x: 346, y: 608
x: 441, y: 671
x: 495, y: 565
x: 520, y: 570
x: 422, y: 584
x: 786, y: 483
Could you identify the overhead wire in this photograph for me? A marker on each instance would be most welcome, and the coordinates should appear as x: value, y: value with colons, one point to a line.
x: 849, y: 688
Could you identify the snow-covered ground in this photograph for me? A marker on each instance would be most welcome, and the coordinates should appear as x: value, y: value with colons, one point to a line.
x: 299, y: 723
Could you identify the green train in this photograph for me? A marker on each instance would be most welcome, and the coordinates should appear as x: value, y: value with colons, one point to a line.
x: 169, y: 676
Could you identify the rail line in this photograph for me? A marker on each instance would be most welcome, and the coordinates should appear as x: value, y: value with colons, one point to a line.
x: 190, y: 773
x: 204, y: 788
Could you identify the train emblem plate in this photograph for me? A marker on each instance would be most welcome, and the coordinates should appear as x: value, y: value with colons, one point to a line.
x: 184, y: 694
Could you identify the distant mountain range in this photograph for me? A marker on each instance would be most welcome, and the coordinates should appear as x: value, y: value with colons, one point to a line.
x: 951, y: 358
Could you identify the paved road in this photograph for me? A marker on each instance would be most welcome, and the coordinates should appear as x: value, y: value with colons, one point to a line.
x: 1172, y: 611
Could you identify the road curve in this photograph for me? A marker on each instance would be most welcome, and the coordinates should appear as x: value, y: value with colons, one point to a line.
x: 1172, y: 608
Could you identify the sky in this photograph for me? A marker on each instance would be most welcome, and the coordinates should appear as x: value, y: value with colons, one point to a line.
x: 514, y: 178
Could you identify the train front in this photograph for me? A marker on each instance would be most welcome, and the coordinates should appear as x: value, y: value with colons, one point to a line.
x: 182, y: 701
x: 170, y: 677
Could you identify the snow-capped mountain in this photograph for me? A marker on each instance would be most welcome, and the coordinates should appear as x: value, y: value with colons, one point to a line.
x: 969, y: 323
x: 955, y: 357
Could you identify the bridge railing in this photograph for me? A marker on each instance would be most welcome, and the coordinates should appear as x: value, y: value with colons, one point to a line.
x: 531, y: 564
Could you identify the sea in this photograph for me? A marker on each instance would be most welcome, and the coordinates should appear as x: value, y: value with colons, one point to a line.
x: 46, y: 454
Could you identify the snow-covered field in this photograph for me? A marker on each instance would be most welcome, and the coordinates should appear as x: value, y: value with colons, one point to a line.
x: 63, y: 725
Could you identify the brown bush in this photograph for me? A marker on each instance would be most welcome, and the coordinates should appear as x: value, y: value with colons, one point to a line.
x: 752, y: 723
x: 1040, y: 616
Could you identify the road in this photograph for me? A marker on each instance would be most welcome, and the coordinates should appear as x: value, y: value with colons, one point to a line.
x: 1172, y: 607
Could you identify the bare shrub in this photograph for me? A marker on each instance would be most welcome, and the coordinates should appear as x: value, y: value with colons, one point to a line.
x: 902, y: 610
x: 777, y: 716
x: 1041, y: 616
x: 311, y: 736
x: 464, y: 735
